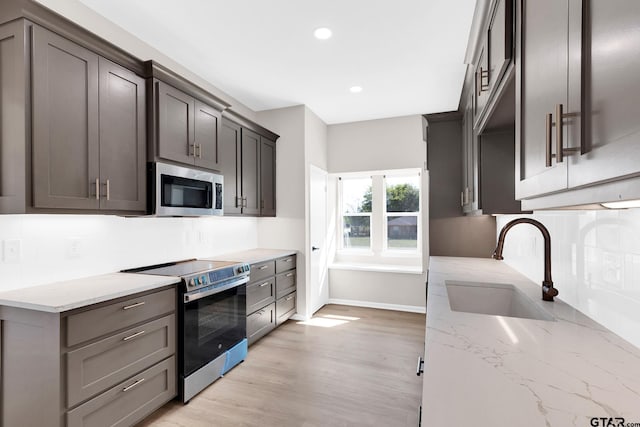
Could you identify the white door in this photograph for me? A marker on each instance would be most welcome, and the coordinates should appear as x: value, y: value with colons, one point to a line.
x: 319, y: 280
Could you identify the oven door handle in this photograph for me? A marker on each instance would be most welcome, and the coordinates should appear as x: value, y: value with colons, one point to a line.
x: 196, y: 295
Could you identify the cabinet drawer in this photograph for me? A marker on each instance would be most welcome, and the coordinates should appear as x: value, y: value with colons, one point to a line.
x: 285, y: 264
x: 261, y: 323
x: 285, y: 283
x: 260, y: 294
x: 130, y: 401
x: 98, y: 366
x: 285, y: 308
x: 262, y: 269
x: 94, y: 323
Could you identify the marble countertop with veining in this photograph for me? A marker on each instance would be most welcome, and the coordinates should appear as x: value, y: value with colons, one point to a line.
x: 70, y: 294
x: 483, y: 370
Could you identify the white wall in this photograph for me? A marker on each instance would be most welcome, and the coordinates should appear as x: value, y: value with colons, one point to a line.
x: 595, y: 262
x: 106, y: 244
x: 287, y: 230
x: 102, y: 27
x: 395, y: 143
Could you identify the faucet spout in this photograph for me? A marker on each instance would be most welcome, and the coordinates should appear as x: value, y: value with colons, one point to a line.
x: 548, y: 291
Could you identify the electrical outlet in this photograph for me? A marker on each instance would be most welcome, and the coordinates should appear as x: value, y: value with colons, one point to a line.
x: 12, y: 251
x: 74, y: 248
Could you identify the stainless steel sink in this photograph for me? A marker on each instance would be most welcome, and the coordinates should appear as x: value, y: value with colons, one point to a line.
x: 495, y: 299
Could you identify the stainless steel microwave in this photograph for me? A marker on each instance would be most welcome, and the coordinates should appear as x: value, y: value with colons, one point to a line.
x: 182, y: 191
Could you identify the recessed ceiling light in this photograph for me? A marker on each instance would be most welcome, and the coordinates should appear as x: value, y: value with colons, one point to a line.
x: 322, y: 33
x: 355, y: 89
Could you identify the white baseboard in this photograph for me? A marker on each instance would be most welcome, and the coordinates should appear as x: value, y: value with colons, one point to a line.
x: 383, y: 306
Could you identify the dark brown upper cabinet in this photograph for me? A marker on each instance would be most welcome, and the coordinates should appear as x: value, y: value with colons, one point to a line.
x: 577, y: 114
x: 88, y: 129
x: 14, y: 122
x: 184, y: 120
x: 493, y: 59
x: 248, y: 159
x: 267, y: 177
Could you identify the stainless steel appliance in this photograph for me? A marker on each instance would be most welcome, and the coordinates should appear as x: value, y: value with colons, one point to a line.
x: 180, y: 191
x: 212, y: 319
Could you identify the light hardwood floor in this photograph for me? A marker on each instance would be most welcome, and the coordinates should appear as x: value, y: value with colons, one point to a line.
x: 358, y: 373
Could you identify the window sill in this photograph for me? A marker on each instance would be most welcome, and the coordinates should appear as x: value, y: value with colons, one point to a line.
x: 404, y: 269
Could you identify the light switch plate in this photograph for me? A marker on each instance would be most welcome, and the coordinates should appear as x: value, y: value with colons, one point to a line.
x: 12, y: 250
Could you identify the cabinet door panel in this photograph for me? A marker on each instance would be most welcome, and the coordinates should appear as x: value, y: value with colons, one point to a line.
x: 12, y: 118
x: 540, y: 84
x: 611, y: 142
x: 207, y: 131
x: 122, y: 138
x: 500, y: 41
x: 267, y: 178
x: 229, y: 152
x: 65, y: 123
x: 250, y: 172
x: 176, y: 124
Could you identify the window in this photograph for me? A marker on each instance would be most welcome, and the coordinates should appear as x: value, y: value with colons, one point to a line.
x: 402, y: 212
x: 380, y: 214
x: 356, y: 213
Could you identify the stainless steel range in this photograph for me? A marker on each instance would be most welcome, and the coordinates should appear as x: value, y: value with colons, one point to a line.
x: 212, y: 319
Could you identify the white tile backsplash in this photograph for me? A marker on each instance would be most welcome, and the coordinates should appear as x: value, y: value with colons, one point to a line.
x: 63, y: 247
x: 595, y: 262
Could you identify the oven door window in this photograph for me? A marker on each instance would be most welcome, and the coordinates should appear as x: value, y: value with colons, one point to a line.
x: 186, y: 193
x: 212, y: 325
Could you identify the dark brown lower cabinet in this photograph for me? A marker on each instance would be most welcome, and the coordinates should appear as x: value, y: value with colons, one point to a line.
x: 111, y: 363
x: 271, y: 295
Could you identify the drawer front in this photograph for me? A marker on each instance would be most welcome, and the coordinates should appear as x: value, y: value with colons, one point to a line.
x: 130, y: 401
x: 99, y: 366
x: 94, y: 323
x: 285, y: 264
x: 262, y: 270
x: 261, y: 323
x: 260, y: 294
x: 285, y: 283
x: 285, y: 308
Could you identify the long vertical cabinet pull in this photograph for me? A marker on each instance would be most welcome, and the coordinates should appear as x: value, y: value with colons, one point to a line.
x: 549, y: 135
x: 560, y: 150
x: 559, y: 142
x: 97, y: 188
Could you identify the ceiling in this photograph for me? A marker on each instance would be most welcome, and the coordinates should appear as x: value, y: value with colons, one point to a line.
x: 407, y: 55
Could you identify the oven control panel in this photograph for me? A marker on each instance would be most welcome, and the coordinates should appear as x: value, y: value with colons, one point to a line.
x: 208, y: 278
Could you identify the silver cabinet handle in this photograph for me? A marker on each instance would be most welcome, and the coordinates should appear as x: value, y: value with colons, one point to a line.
x: 420, y: 368
x: 137, y: 383
x: 264, y: 284
x: 263, y: 267
x: 548, y: 133
x: 199, y: 152
x: 97, y: 188
x: 289, y: 275
x: 289, y: 298
x: 130, y: 337
x: 138, y: 304
x: 108, y: 190
x: 192, y: 153
x: 288, y: 260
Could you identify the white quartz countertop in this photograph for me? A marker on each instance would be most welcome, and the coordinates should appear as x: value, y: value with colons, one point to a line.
x: 68, y: 295
x: 253, y: 256
x: 483, y: 370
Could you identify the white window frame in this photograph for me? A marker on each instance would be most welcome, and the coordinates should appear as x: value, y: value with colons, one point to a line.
x: 342, y: 214
x: 417, y: 214
x: 378, y: 247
